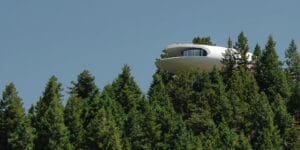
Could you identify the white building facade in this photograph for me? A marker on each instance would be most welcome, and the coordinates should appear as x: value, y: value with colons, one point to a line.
x: 184, y: 56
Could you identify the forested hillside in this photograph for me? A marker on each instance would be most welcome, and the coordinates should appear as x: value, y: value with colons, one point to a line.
x: 244, y: 105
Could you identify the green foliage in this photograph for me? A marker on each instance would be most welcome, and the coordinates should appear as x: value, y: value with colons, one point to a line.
x: 74, y: 122
x: 111, y: 105
x: 23, y: 136
x: 256, y: 54
x: 126, y: 91
x: 219, y: 103
x: 294, y: 103
x: 203, y: 40
x: 57, y: 133
x: 200, y: 114
x: 241, y: 91
x: 232, y: 108
x: 166, y: 123
x: 181, y: 92
x: 270, y: 76
x: 12, y: 116
x: 284, y: 122
x: 102, y: 132
x: 293, y: 62
x: 243, y: 143
x: 82, y: 107
x: 293, y: 75
x: 129, y: 100
x: 134, y: 131
x: 229, y: 61
x: 14, y: 112
x: 228, y: 138
x: 222, y: 137
x: 242, y: 47
x: 49, y: 119
x: 85, y: 86
x: 265, y: 135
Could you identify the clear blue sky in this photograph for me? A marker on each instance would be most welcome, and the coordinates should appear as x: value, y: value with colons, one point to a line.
x: 63, y: 37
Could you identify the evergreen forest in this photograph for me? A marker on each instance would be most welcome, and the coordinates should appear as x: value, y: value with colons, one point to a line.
x: 243, y: 105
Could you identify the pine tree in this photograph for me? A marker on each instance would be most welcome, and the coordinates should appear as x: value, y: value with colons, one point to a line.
x: 293, y: 75
x: 257, y: 53
x: 293, y: 62
x: 294, y: 103
x: 219, y: 103
x: 135, y: 137
x: 184, y: 139
x: 229, y: 61
x: 126, y: 91
x: 102, y: 132
x: 58, y: 135
x: 270, y: 76
x: 181, y: 92
x: 129, y: 99
x: 86, y: 90
x: 111, y: 105
x: 265, y: 135
x: 81, y: 108
x: 242, y: 48
x: 15, y: 110
x: 85, y: 86
x: 199, y: 116
x: 223, y: 137
x: 210, y: 138
x: 51, y: 130
x: 256, y: 56
x: 74, y: 122
x: 238, y: 92
x: 3, y: 137
x: 228, y: 139
x: 284, y: 122
x: 166, y: 122
x: 3, y: 118
x: 151, y: 126
x: 12, y: 113
x: 23, y: 136
x: 243, y: 142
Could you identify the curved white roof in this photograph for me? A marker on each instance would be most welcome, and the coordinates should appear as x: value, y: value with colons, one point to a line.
x: 174, y: 50
x: 174, y: 61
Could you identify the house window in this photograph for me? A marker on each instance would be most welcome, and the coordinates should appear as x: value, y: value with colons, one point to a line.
x: 194, y: 52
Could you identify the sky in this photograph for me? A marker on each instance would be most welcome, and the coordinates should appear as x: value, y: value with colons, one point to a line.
x: 39, y: 39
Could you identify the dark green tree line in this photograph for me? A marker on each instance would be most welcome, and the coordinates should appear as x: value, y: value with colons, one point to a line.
x: 243, y: 105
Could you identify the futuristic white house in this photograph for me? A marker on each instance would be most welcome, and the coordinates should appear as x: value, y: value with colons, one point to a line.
x: 184, y: 56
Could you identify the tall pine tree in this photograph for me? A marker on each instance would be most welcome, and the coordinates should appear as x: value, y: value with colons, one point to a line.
x: 293, y: 74
x: 229, y: 61
x: 218, y: 101
x: 265, y: 134
x: 49, y: 119
x: 74, y: 122
x: 256, y: 54
x: 284, y: 122
x: 270, y: 76
x: 82, y: 107
x: 12, y: 117
x: 166, y: 123
x: 128, y: 96
x: 293, y: 62
x: 242, y: 48
x: 126, y: 91
x: 103, y: 133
